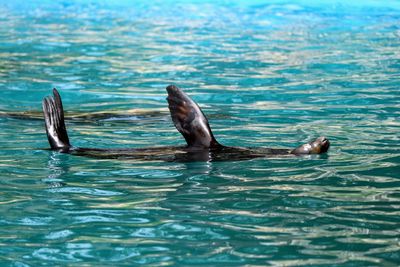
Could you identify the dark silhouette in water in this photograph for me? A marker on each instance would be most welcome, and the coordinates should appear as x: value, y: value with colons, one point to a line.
x: 87, y: 117
x: 189, y: 120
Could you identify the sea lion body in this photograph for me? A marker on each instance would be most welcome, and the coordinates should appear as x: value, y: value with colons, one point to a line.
x: 180, y: 153
x: 188, y: 119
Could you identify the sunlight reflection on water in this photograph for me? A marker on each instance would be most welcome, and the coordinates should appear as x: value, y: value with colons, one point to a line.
x: 270, y: 75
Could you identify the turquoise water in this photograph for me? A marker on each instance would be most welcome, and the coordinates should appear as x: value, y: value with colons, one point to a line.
x: 275, y: 75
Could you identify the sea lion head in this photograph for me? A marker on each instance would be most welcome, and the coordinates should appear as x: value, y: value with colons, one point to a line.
x: 318, y: 146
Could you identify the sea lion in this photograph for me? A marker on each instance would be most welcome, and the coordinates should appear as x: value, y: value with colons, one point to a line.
x: 188, y: 119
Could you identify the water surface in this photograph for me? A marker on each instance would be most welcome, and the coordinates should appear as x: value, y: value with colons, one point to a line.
x: 275, y: 75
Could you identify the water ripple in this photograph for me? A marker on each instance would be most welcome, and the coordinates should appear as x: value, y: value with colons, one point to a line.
x: 266, y: 74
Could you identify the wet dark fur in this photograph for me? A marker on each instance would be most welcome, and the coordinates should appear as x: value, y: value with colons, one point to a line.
x: 189, y: 121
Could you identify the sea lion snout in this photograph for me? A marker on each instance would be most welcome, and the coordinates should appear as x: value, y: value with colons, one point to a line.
x: 324, y: 144
x: 319, y: 145
x: 322, y: 139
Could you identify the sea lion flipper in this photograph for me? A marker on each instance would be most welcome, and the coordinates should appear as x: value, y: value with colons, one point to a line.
x: 54, y: 120
x: 189, y: 120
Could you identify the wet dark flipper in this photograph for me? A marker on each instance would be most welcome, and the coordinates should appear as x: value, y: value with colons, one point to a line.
x: 189, y: 120
x: 54, y: 120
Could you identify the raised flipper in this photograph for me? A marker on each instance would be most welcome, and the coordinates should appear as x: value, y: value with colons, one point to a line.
x: 317, y: 146
x: 54, y: 120
x: 189, y: 120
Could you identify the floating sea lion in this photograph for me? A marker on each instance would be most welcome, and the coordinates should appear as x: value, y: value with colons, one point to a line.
x: 188, y: 119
